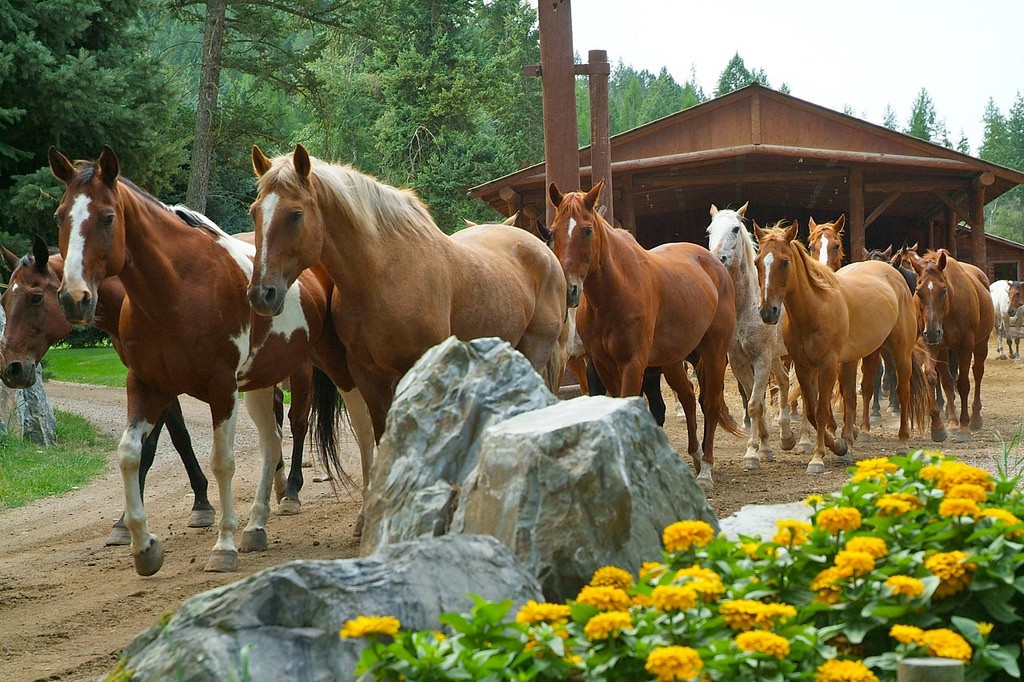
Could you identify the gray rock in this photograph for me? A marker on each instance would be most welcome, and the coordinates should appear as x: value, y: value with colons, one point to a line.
x: 431, y: 443
x: 578, y: 485
x: 758, y: 520
x: 282, y: 623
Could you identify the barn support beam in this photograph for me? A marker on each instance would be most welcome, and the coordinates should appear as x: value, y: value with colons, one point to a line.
x: 979, y: 250
x: 857, y: 224
x: 951, y: 221
x: 598, y: 71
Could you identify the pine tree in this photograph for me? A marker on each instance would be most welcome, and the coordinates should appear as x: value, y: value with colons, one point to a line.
x: 923, y: 120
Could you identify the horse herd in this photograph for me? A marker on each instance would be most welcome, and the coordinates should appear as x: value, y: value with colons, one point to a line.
x: 346, y: 281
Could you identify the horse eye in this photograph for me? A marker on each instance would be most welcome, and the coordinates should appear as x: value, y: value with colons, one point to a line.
x: 295, y: 218
x: 736, y: 230
x: 108, y: 220
x: 36, y: 298
x: 588, y: 230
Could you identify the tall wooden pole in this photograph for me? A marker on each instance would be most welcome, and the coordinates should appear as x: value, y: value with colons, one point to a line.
x: 598, y: 70
x: 857, y: 228
x: 558, y: 93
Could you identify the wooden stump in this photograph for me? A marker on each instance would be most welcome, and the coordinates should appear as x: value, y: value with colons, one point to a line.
x: 930, y: 670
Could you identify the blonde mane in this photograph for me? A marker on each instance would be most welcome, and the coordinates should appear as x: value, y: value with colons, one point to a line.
x: 369, y: 205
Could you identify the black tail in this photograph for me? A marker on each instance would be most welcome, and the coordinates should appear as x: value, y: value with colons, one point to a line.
x: 325, y: 415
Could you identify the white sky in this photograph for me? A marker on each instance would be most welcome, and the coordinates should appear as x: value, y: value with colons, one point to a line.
x: 866, y: 54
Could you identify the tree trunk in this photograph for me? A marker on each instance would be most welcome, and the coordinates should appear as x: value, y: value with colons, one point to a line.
x: 209, y: 85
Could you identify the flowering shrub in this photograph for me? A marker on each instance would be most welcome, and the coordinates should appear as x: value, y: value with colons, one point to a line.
x: 916, y: 556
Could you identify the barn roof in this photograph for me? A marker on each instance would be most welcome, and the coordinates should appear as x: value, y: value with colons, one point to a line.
x: 788, y: 157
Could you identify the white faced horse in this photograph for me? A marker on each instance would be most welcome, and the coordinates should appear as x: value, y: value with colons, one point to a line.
x: 757, y: 348
x: 1007, y: 297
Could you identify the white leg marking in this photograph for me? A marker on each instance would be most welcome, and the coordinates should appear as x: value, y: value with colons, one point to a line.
x: 129, y: 455
x: 260, y: 406
x: 222, y: 461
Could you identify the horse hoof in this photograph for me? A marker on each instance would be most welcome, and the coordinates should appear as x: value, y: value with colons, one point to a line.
x: 939, y: 435
x: 876, y: 418
x: 119, y: 535
x: 865, y: 437
x: 750, y: 463
x: 289, y: 506
x: 201, y: 518
x: 706, y: 484
x: 360, y: 522
x: 840, y: 448
x: 149, y: 560
x: 254, y: 540
x: 788, y: 441
x: 816, y: 468
x: 962, y: 437
x: 222, y: 561
x: 766, y: 455
x: 977, y: 423
x: 902, y: 448
x: 806, y: 449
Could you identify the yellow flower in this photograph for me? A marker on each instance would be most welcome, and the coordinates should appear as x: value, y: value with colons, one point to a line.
x: 968, y: 491
x: 534, y: 612
x: 953, y: 570
x: 1005, y: 517
x: 958, y: 507
x: 674, y: 597
x: 604, y: 598
x: 651, y: 570
x: 945, y: 643
x: 868, y: 544
x: 792, y: 532
x: 748, y: 614
x: 612, y: 576
x: 855, y: 563
x: 897, y: 504
x: 764, y: 642
x: 750, y: 549
x: 682, y: 535
x: 906, y: 634
x: 361, y: 626
x: 814, y: 500
x: 836, y: 519
x: 669, y: 663
x: 844, y: 671
x: 873, y: 468
x: 952, y: 473
x: 704, y: 581
x: 606, y: 625
x: 984, y: 629
x: 905, y: 585
x: 825, y: 583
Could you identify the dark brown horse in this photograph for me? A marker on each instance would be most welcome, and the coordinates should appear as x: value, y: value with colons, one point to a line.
x: 640, y: 308
x: 186, y: 327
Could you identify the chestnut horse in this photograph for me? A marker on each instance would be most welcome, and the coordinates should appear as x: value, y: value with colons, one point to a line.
x: 402, y: 285
x: 186, y: 327
x: 888, y: 380
x: 956, y: 314
x: 640, y: 308
x: 832, y: 321
x: 825, y: 242
x: 757, y: 348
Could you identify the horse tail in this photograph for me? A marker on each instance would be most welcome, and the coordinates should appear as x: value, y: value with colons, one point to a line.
x: 554, y: 369
x: 725, y: 419
x: 325, y: 415
x: 922, y: 385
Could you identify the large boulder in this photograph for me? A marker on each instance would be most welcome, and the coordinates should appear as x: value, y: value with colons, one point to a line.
x: 578, y: 485
x: 282, y: 623
x: 432, y: 441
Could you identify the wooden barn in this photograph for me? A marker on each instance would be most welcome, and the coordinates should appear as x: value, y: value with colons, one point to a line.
x: 794, y: 160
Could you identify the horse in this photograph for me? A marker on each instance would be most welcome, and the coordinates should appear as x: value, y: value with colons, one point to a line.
x: 832, y: 321
x: 825, y: 241
x: 956, y: 315
x: 757, y: 348
x: 1006, y: 299
x: 648, y: 308
x: 185, y: 327
x: 401, y: 284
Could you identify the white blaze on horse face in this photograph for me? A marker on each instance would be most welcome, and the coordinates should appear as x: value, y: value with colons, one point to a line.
x: 823, y: 251
x: 269, y: 206
x: 73, y: 276
x: 572, y: 226
x: 769, y: 258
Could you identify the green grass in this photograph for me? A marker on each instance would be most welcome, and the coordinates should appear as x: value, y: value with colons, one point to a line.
x: 99, y: 365
x: 29, y: 471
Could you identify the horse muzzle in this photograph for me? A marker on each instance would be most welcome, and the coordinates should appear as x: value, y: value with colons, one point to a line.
x: 932, y: 336
x: 573, y: 294
x: 19, y: 374
x: 266, y: 300
x: 81, y: 311
x: 771, y: 314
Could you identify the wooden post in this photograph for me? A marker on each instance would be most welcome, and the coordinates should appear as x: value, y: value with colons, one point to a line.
x: 951, y: 220
x: 978, y: 246
x: 558, y: 93
x: 856, y: 214
x: 627, y: 212
x: 598, y: 70
x: 930, y: 670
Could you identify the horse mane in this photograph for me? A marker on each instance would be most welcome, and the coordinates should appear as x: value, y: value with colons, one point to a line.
x: 179, y: 211
x: 820, y: 276
x: 371, y: 206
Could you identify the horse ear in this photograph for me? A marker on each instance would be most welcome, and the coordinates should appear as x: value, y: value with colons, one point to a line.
x: 544, y: 232
x: 840, y: 224
x: 914, y: 247
x: 590, y: 200
x: 811, y: 224
x: 555, y: 196
x: 61, y: 168
x: 260, y: 163
x: 792, y: 231
x: 896, y: 260
x: 300, y: 159
x: 511, y: 220
x: 916, y: 262
x: 714, y: 210
x: 887, y: 252
x: 865, y: 254
x: 10, y: 260
x: 41, y: 253
x: 109, y: 167
x: 469, y: 223
x: 743, y: 210
x: 758, y: 232
x: 942, y: 259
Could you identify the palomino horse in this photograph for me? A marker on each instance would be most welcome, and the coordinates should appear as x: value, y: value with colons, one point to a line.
x: 956, y: 314
x: 757, y: 348
x: 832, y: 321
x: 648, y: 308
x: 35, y: 322
x: 186, y: 327
x: 1007, y: 297
x: 402, y: 285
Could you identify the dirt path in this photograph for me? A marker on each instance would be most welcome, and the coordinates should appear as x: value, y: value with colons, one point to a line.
x: 68, y: 603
